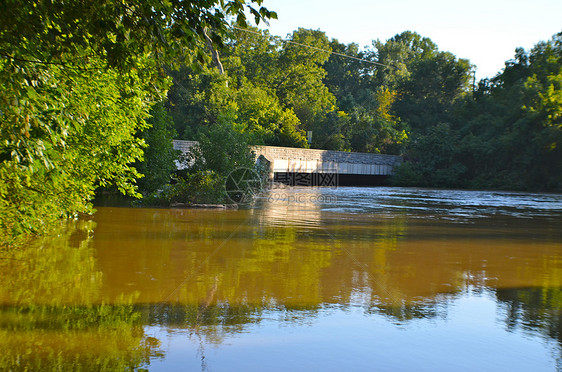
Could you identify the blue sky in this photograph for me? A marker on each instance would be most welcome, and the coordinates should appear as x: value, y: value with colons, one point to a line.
x: 485, y: 32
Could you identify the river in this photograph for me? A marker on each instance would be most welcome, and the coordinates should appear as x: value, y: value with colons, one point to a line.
x: 305, y: 279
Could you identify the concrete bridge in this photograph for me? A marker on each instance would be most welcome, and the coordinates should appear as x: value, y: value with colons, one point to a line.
x: 316, y: 167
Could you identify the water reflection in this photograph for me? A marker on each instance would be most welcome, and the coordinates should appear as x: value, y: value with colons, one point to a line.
x: 533, y: 310
x: 133, y: 280
x: 52, y: 311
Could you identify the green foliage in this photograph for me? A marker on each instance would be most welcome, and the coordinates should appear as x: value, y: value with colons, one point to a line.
x: 62, y: 32
x: 428, y: 83
x: 199, y: 100
x: 222, y: 148
x: 252, y: 56
x: 329, y: 94
x: 281, y: 83
x: 65, y: 132
x: 199, y: 187
x: 159, y: 156
x: 406, y: 174
x: 329, y: 133
x: 433, y: 90
x: 299, y: 81
x: 77, y: 81
x: 263, y: 116
x: 506, y: 135
x: 412, y: 99
x: 516, y: 121
x: 375, y: 128
x: 346, y: 77
x: 435, y: 163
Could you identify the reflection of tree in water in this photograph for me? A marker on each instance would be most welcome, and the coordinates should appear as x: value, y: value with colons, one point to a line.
x: 533, y: 310
x: 56, y: 291
x: 218, y: 321
x: 407, y: 312
x: 211, y: 323
x: 221, y: 274
x: 52, y: 316
x: 101, y: 337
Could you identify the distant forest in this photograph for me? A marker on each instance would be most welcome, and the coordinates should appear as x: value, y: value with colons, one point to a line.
x: 403, y: 96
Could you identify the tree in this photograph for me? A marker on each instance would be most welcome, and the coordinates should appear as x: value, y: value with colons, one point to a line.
x: 261, y: 114
x: 329, y: 133
x: 428, y: 82
x: 222, y: 150
x: 435, y: 88
x: 371, y: 125
x: 63, y: 32
x: 197, y: 98
x: 299, y: 82
x: 252, y: 55
x: 159, y: 157
x: 506, y: 135
x: 346, y: 77
x: 398, y: 55
x: 374, y: 128
x: 77, y: 82
x: 435, y: 160
x: 65, y: 132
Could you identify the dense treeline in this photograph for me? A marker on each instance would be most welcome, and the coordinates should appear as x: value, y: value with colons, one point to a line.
x: 93, y: 92
x: 403, y: 96
x: 277, y: 90
x: 506, y: 134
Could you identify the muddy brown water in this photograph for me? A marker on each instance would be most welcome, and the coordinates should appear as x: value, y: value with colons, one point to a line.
x: 304, y: 279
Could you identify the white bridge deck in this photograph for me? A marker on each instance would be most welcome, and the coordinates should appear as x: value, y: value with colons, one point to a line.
x: 298, y: 160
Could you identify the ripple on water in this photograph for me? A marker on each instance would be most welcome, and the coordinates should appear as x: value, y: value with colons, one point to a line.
x: 447, y: 204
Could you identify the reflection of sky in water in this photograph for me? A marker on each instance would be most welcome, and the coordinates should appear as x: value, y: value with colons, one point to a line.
x: 468, y: 337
